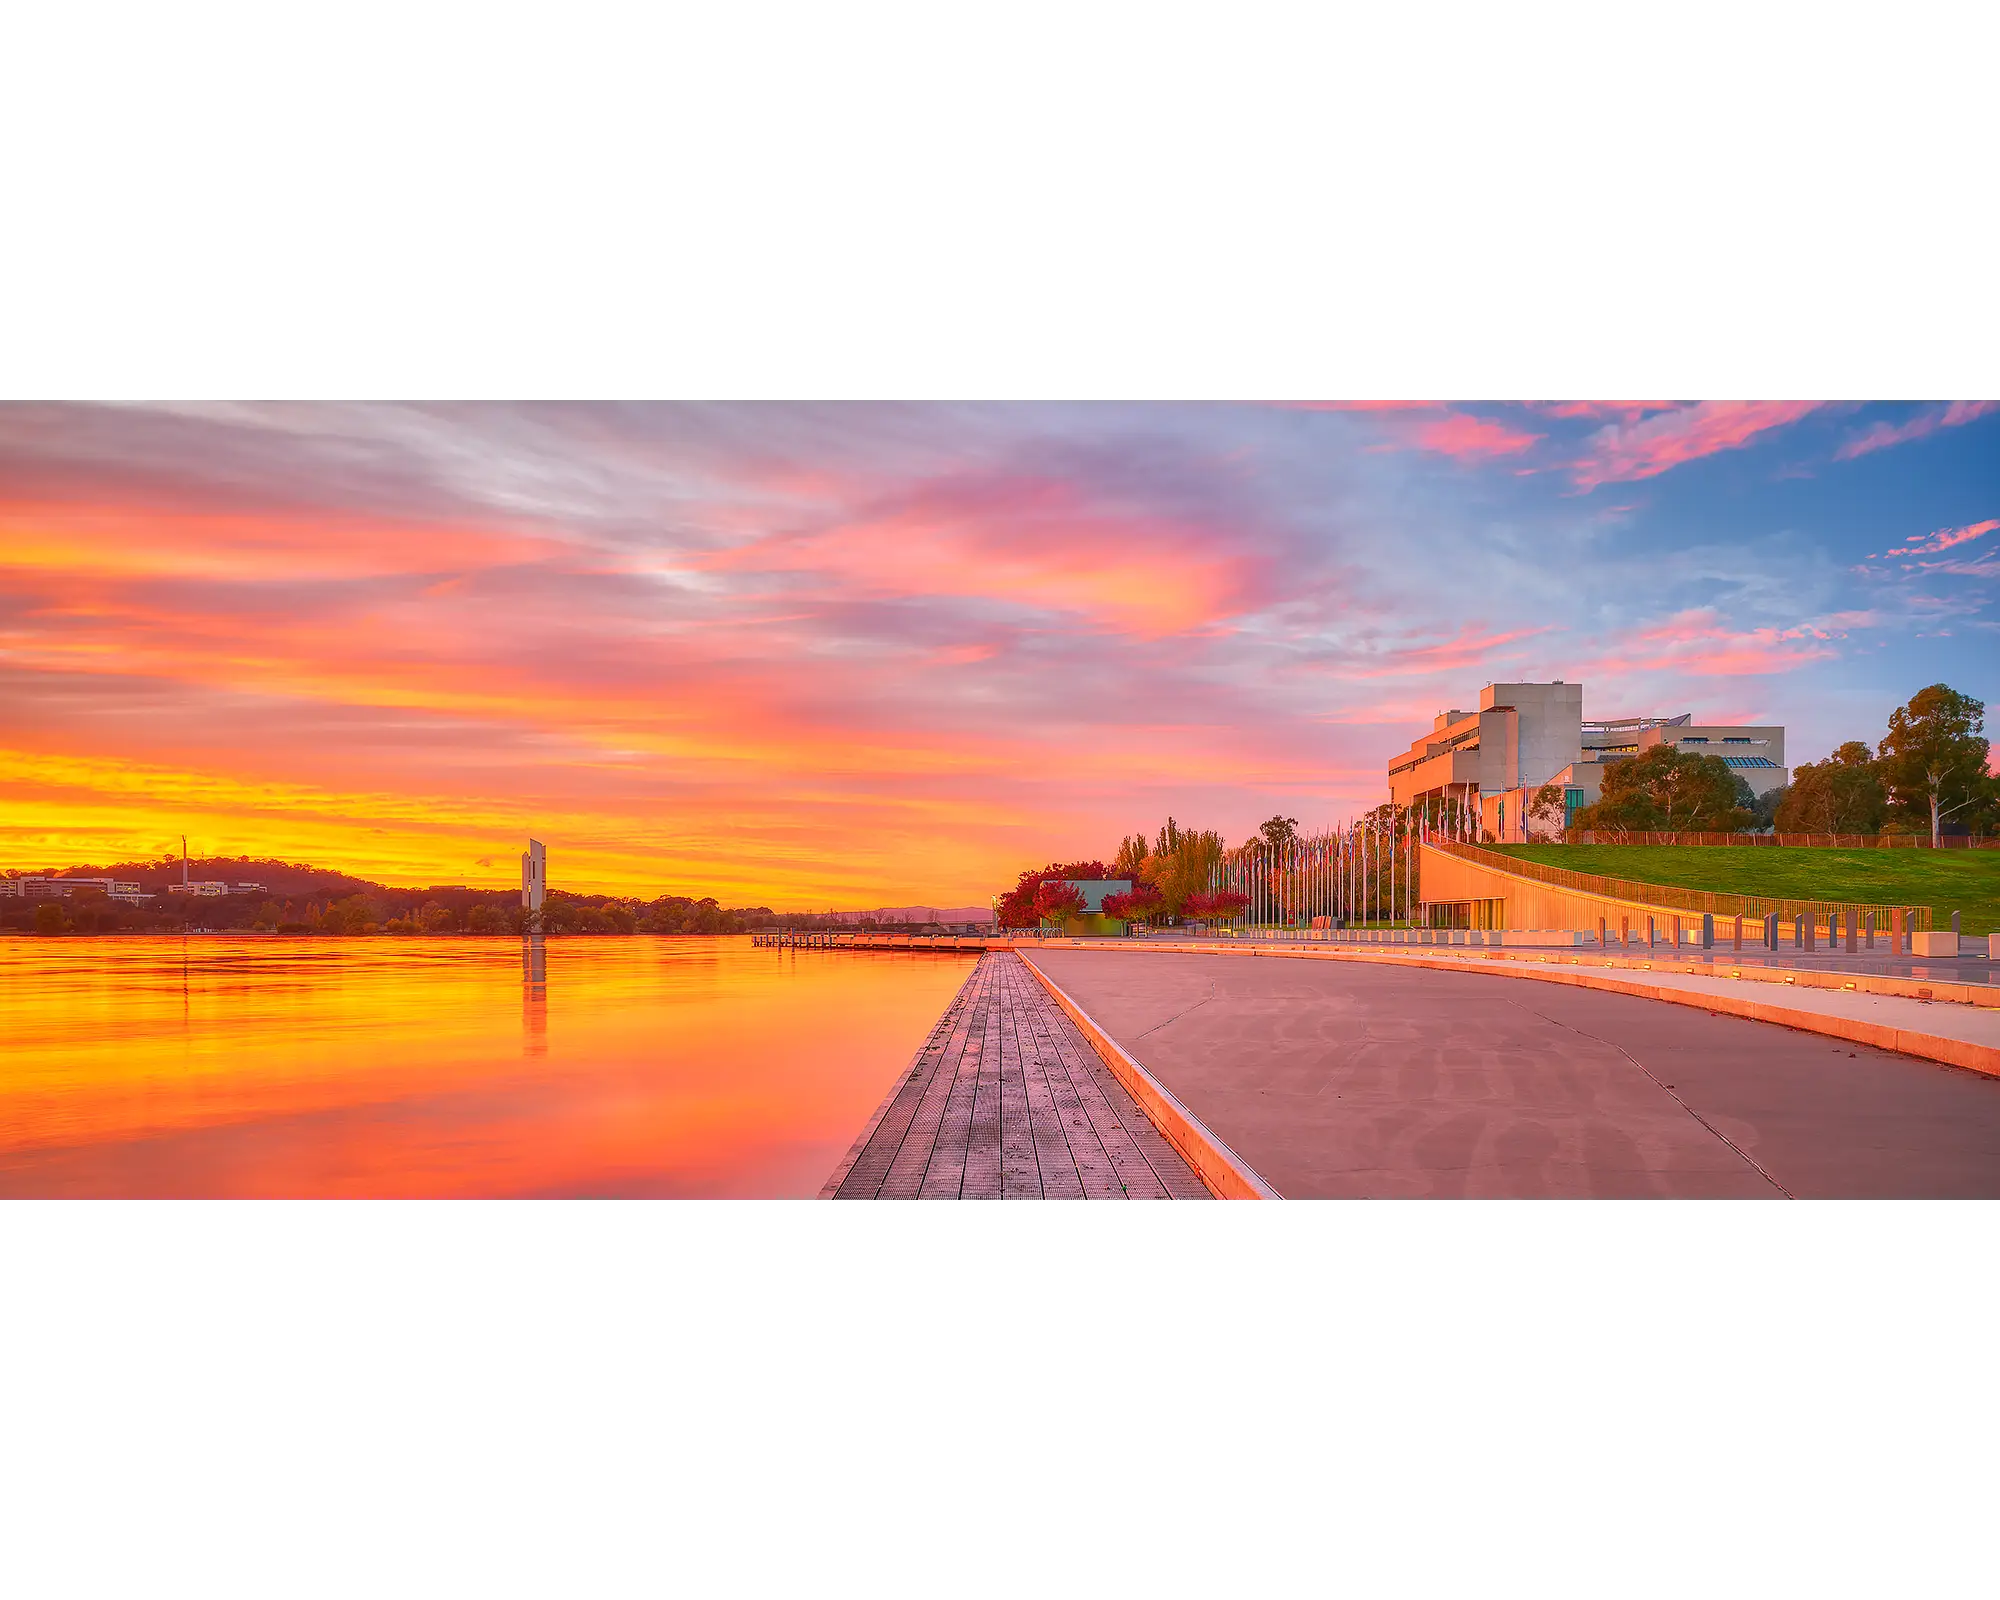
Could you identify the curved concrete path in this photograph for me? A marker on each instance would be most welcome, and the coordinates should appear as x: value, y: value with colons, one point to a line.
x: 1342, y: 1079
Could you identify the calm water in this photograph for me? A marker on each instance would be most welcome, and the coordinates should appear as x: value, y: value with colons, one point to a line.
x: 269, y: 1067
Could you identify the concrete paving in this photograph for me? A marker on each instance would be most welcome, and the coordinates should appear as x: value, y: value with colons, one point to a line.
x: 1349, y: 1079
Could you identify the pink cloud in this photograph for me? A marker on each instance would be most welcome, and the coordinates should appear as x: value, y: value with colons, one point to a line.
x: 1698, y: 644
x: 1039, y: 543
x: 1882, y: 435
x: 1623, y: 452
x: 1944, y: 539
x: 1598, y: 410
x: 1469, y: 647
x: 1467, y: 438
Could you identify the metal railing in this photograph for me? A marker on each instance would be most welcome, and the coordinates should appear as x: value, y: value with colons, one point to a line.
x: 1788, y: 841
x: 1669, y: 897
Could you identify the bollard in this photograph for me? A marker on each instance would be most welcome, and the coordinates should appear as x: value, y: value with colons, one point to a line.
x: 1625, y: 932
x: 1707, y: 930
x: 1770, y: 930
x: 1871, y: 930
x: 1649, y: 933
x: 1738, y: 945
x: 1603, y: 937
x: 1812, y: 932
x: 1896, y: 930
x: 1852, y: 918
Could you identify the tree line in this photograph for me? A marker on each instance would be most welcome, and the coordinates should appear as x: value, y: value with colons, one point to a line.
x: 1927, y: 774
x: 347, y: 906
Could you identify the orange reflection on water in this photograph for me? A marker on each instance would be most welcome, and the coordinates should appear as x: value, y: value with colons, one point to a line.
x: 446, y: 1067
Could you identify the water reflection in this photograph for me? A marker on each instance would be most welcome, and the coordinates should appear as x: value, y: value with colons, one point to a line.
x: 242, y: 1066
x: 535, y: 995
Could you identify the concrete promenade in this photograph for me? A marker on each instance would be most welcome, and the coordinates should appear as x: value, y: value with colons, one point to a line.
x: 1387, y: 1077
x: 1006, y: 1101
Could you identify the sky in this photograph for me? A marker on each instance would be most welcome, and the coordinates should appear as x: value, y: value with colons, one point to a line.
x: 845, y: 655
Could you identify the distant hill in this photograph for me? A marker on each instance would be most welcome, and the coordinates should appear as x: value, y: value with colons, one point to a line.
x: 280, y: 878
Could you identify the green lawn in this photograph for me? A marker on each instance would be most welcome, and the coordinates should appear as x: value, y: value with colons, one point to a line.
x: 1965, y: 881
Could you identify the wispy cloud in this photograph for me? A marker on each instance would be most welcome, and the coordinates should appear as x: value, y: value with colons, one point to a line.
x: 1625, y: 451
x: 1882, y: 435
x: 1945, y: 539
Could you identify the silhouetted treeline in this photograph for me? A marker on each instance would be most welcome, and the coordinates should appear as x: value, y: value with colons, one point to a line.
x: 302, y: 899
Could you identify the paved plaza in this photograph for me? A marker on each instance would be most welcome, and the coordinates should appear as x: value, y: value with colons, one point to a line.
x: 1338, y: 1078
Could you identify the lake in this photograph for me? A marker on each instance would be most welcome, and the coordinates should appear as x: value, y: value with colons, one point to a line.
x: 214, y: 1066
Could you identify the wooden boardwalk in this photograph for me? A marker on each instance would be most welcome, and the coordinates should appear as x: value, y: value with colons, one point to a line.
x: 1006, y: 1101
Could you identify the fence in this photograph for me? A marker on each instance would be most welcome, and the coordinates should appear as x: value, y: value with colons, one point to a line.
x: 1671, y: 898
x: 1789, y: 841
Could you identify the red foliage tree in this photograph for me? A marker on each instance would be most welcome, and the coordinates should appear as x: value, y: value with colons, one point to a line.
x: 1223, y: 906
x: 1055, y: 899
x: 1137, y: 904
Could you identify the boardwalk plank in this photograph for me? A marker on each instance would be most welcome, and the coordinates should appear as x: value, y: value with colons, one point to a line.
x: 1020, y: 1172
x: 1007, y: 1100
x: 982, y: 1150
x: 906, y: 1173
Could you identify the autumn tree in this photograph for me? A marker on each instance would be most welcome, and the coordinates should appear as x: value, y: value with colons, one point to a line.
x: 1141, y: 903
x: 1933, y: 760
x: 1187, y: 868
x: 1056, y: 899
x: 1130, y: 858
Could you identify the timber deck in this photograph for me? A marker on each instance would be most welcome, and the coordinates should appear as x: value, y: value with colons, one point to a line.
x: 1005, y: 1101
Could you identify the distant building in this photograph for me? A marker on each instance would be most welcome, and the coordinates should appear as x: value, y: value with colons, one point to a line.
x: 1525, y: 735
x: 1094, y: 890
x: 42, y: 888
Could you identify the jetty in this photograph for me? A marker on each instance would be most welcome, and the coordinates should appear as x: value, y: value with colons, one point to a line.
x: 1006, y: 1100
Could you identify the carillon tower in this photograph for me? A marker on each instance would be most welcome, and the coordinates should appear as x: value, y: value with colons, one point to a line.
x: 534, y: 880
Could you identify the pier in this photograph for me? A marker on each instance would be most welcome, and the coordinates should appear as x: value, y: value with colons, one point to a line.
x: 1005, y: 1100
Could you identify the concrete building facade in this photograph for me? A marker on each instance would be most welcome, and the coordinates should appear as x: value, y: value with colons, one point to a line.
x: 1525, y: 735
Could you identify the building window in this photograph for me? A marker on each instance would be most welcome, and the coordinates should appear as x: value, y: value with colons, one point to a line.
x: 1739, y: 741
x: 1694, y: 741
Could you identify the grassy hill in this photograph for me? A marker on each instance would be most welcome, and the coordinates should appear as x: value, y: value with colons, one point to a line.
x: 1965, y: 881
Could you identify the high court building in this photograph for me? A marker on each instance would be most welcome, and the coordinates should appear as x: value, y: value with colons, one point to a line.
x: 1525, y: 735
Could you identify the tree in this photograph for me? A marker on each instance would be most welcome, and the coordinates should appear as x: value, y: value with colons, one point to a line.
x: 1225, y: 905
x: 1186, y: 869
x: 49, y: 918
x: 1130, y: 858
x: 1933, y: 760
x: 351, y: 915
x: 1668, y: 789
x: 1543, y: 821
x: 1141, y: 903
x: 1842, y: 794
x: 1763, y: 808
x: 1054, y: 900
x: 1280, y: 832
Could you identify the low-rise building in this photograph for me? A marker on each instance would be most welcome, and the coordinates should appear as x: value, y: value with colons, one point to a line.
x: 38, y: 887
